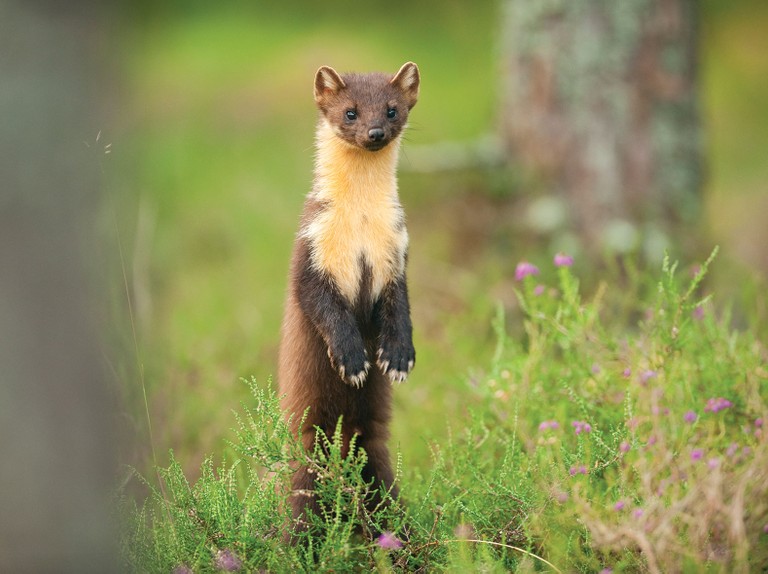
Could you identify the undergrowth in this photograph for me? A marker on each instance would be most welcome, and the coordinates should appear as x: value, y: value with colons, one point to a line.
x: 591, y: 445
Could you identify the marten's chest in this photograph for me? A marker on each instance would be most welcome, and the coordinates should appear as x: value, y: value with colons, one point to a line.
x: 359, y: 242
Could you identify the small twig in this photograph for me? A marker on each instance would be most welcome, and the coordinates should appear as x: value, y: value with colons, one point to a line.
x: 518, y: 549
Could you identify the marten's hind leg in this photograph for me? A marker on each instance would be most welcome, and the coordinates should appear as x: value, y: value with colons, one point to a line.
x: 378, y: 469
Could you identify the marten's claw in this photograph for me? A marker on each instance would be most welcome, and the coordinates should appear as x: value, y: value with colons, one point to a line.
x: 396, y: 366
x: 343, y: 367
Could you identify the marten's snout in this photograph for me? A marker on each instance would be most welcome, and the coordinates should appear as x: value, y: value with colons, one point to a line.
x: 375, y: 134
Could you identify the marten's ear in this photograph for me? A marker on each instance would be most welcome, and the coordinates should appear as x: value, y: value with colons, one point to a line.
x: 327, y: 82
x: 407, y: 80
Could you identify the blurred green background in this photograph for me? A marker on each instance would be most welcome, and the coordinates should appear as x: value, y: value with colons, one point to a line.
x: 212, y: 152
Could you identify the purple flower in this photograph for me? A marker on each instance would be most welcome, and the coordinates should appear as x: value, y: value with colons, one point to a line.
x: 563, y: 260
x: 638, y: 512
x: 606, y: 571
x: 690, y: 417
x: 624, y: 447
x: 698, y: 313
x: 595, y: 369
x: 713, y: 463
x: 646, y: 376
x: 228, y: 561
x: 732, y: 449
x: 759, y: 422
x: 545, y: 425
x: 626, y: 373
x: 715, y: 405
x: 697, y: 454
x: 574, y: 470
x: 182, y: 569
x: 619, y: 505
x: 539, y: 289
x: 765, y: 528
x: 524, y: 269
x: 581, y: 427
x: 389, y: 541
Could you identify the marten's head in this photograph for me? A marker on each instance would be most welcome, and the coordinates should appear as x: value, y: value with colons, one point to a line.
x: 367, y: 110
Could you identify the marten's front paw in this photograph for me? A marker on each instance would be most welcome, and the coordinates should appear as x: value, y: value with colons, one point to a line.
x: 396, y: 360
x: 352, y: 365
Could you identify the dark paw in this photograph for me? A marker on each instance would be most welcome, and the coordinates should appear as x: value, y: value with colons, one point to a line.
x: 352, y: 365
x: 396, y: 360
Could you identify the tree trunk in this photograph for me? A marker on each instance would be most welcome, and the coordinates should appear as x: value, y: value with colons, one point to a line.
x: 600, y: 105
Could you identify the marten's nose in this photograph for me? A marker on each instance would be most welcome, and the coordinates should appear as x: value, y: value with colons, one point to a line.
x: 375, y: 134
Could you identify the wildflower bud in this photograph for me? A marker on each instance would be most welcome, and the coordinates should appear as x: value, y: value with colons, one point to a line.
x: 619, y: 505
x: 563, y: 260
x: 646, y: 376
x: 626, y: 373
x: 524, y: 269
x: 697, y: 454
x: 539, y: 289
x: 388, y: 541
x: 690, y: 417
x: 638, y: 513
x: 713, y: 463
x: 624, y: 447
x: 228, y: 561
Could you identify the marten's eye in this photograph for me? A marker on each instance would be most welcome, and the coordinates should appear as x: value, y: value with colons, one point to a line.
x: 391, y: 113
x: 351, y: 115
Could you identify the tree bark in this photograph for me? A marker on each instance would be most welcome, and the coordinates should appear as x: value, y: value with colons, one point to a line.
x: 599, y: 103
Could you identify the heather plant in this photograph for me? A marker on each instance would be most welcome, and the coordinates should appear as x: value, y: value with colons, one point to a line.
x: 619, y: 432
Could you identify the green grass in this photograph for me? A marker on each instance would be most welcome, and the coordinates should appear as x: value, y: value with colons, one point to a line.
x: 586, y: 446
x: 212, y: 164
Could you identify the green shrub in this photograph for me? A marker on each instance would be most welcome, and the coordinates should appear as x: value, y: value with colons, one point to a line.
x: 621, y: 433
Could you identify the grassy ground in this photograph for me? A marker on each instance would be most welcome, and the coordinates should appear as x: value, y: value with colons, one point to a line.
x: 214, y: 156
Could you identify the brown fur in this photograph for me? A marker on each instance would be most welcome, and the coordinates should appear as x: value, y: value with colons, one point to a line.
x: 346, y: 332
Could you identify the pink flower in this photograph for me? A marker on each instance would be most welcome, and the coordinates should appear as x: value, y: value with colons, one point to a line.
x: 563, y: 260
x: 732, y: 449
x: 698, y: 313
x: 713, y: 463
x: 715, y: 405
x: 759, y: 422
x: 626, y: 373
x: 624, y: 447
x: 539, y: 289
x: 546, y: 425
x: 638, y: 512
x: 646, y: 376
x: 690, y: 417
x: 524, y: 269
x: 182, y: 569
x: 228, y: 561
x: 581, y: 427
x: 574, y: 470
x: 697, y: 454
x: 619, y: 505
x: 389, y: 541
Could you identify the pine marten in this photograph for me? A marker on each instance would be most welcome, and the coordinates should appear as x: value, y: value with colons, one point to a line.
x: 347, y: 334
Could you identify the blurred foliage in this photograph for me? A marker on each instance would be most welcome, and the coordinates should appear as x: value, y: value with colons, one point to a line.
x: 212, y: 156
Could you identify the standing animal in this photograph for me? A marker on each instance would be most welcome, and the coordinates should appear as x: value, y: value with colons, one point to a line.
x: 346, y: 333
